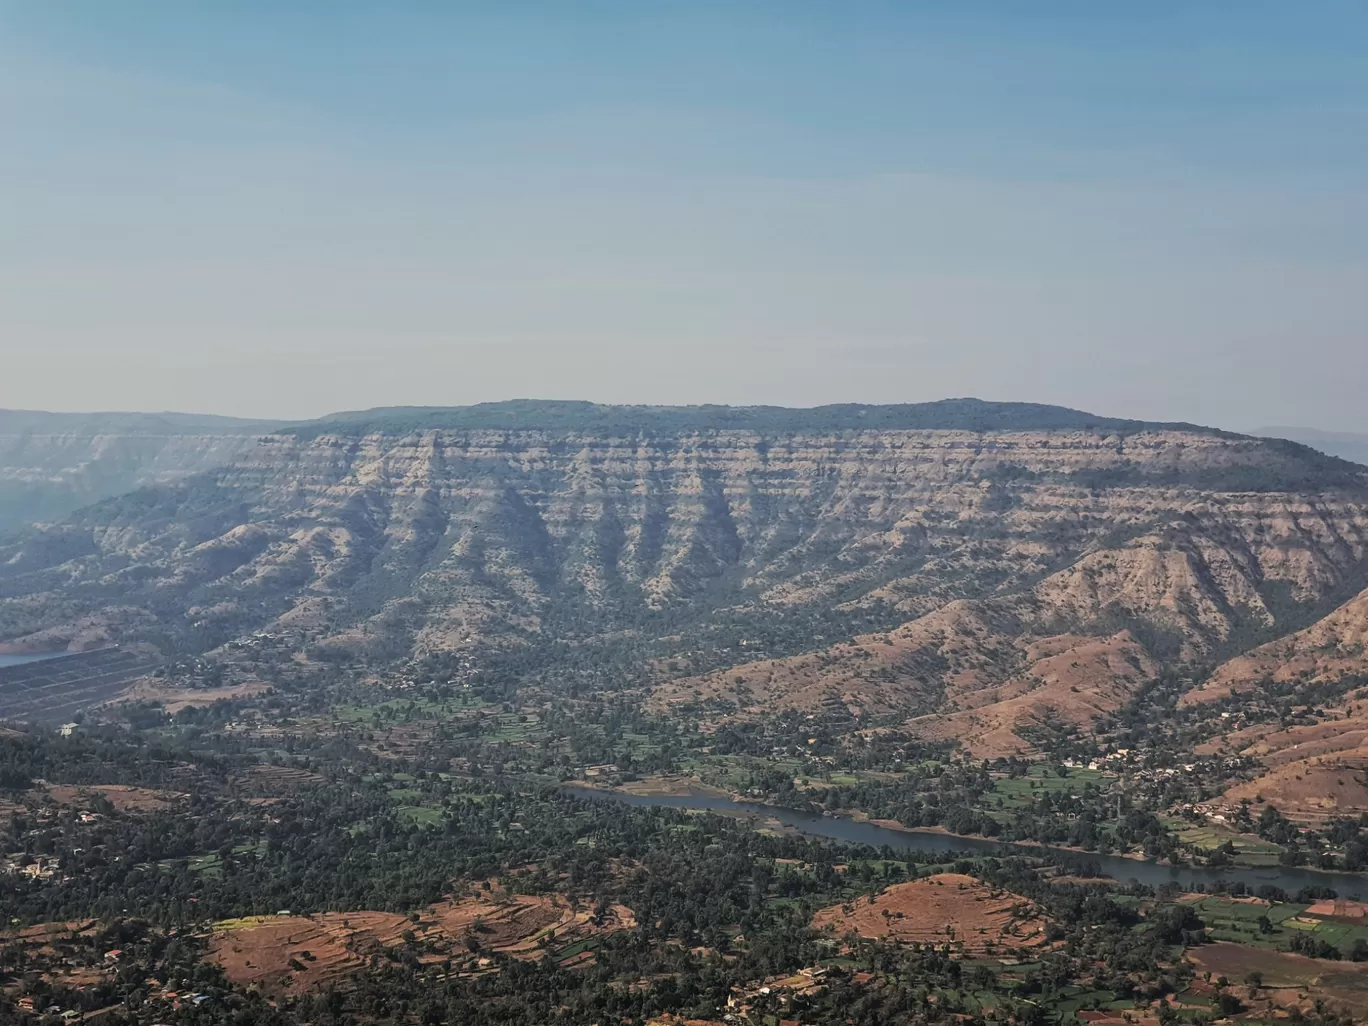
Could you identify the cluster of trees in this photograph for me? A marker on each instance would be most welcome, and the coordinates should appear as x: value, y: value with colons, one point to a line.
x: 719, y: 906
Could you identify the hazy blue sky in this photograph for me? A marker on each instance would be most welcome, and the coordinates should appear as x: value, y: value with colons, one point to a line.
x: 280, y: 209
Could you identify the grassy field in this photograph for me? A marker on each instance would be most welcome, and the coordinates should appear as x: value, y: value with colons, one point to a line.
x: 1250, y: 851
x: 1237, y: 921
x: 210, y: 865
x: 421, y: 814
x: 1018, y: 792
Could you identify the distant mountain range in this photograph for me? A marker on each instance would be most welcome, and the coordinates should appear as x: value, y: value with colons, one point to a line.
x: 54, y: 463
x: 1344, y: 445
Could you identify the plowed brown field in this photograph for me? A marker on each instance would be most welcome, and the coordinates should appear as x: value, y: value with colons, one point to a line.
x: 122, y: 797
x: 298, y: 953
x: 948, y: 908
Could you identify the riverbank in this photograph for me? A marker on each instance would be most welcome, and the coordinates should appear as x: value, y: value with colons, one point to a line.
x: 893, y: 824
x: 933, y: 841
x: 679, y: 786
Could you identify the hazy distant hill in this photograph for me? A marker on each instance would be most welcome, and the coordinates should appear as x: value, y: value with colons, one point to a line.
x: 1345, y: 446
x: 54, y: 463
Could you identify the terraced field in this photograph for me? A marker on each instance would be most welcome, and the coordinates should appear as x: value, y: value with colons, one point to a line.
x: 947, y: 908
x: 297, y: 953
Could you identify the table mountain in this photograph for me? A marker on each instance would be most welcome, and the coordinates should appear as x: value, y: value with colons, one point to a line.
x: 1007, y: 567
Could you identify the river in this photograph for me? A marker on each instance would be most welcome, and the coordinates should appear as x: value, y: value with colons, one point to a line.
x: 19, y: 660
x: 841, y: 828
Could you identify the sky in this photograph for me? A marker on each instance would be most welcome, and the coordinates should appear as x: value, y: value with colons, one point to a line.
x: 280, y: 210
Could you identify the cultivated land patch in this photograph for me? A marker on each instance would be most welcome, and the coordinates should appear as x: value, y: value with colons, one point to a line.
x: 276, y: 780
x: 174, y: 699
x: 947, y: 908
x: 1290, y: 981
x: 1310, y: 791
x: 123, y: 797
x: 298, y: 953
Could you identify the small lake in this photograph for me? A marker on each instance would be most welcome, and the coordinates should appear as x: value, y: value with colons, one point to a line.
x: 839, y: 828
x: 20, y: 660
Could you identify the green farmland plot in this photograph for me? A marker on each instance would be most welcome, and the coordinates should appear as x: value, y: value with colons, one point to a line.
x: 421, y: 815
x: 1019, y: 792
x: 1251, y: 851
x: 1229, y: 919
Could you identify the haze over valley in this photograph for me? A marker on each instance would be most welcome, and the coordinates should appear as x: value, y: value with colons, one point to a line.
x: 934, y: 593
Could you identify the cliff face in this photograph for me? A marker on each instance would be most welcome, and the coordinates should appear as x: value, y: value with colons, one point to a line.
x: 972, y: 568
x: 52, y: 464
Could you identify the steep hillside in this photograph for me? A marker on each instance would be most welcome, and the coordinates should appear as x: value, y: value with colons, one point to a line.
x: 1020, y: 566
x: 54, y: 463
x: 1333, y: 647
x: 1313, y: 763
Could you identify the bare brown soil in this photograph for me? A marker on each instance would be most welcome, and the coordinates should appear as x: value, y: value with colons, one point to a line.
x: 1113, y: 1018
x: 1331, y: 647
x: 48, y: 954
x: 996, y: 680
x: 1341, y: 909
x: 175, y: 699
x: 298, y: 953
x: 1309, y: 790
x: 948, y: 908
x: 121, y: 796
x: 1290, y: 981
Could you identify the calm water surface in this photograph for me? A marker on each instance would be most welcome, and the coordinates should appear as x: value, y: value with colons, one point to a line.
x: 1348, y: 885
x: 19, y: 660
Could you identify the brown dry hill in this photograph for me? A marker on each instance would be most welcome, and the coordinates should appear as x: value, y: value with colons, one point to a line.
x: 1068, y: 680
x: 948, y: 908
x: 1310, y: 790
x: 123, y: 797
x: 298, y: 953
x: 1330, y: 648
x: 1311, y: 771
x: 1343, y: 728
x: 977, y: 661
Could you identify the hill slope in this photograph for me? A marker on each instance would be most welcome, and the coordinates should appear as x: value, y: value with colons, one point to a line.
x: 1345, y: 445
x: 54, y: 463
x: 1019, y: 566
